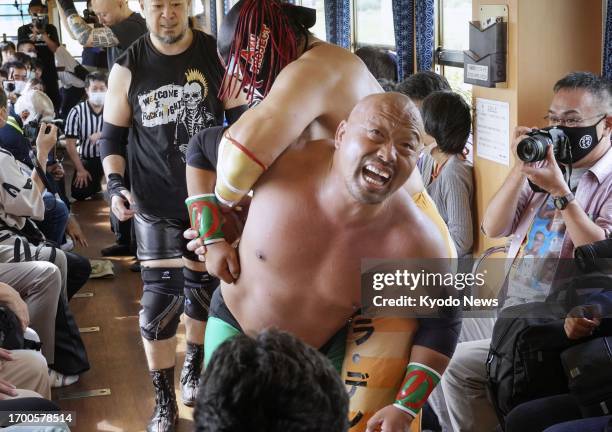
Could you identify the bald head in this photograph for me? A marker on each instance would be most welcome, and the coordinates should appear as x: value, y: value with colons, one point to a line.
x: 395, y: 107
x: 110, y: 12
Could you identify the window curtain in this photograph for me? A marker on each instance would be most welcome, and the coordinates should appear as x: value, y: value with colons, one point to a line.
x: 403, y: 26
x: 607, y: 52
x: 424, y: 25
x: 337, y: 22
x: 212, y: 10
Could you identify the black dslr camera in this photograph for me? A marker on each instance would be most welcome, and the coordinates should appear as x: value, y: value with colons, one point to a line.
x: 30, y: 131
x: 595, y: 256
x: 534, y: 147
x: 40, y: 21
x: 9, y: 86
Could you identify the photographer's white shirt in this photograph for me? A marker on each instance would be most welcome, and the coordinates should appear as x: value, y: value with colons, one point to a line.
x: 19, y: 197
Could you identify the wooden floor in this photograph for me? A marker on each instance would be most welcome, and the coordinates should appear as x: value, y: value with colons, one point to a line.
x: 115, y: 352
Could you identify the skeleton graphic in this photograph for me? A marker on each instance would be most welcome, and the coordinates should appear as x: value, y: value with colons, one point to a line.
x: 193, y: 116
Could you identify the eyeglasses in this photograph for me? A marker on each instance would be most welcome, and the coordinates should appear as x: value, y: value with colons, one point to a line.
x: 570, y: 122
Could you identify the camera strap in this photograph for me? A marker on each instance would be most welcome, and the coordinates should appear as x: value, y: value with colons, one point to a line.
x: 42, y: 174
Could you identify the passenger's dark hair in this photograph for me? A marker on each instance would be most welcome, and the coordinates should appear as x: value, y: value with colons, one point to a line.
x: 37, y: 63
x: 15, y: 65
x: 3, y: 99
x: 447, y: 118
x: 270, y: 383
x: 387, y: 85
x: 96, y: 76
x: 23, y: 59
x: 379, y: 62
x: 419, y: 85
x: 25, y: 42
x: 34, y: 3
x: 6, y: 45
x: 598, y: 86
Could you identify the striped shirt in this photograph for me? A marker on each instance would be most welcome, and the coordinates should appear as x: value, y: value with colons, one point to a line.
x: 81, y: 123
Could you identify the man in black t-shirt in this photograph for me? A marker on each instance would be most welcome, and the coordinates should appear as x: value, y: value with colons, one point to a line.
x: 121, y: 27
x: 165, y: 88
x: 44, y: 36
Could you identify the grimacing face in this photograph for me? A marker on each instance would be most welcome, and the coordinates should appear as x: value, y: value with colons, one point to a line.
x: 167, y: 20
x: 379, y: 146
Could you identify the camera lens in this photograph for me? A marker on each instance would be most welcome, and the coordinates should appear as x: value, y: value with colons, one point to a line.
x: 533, y: 148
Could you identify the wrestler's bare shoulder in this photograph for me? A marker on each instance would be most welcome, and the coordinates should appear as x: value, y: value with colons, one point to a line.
x: 411, y: 231
x: 330, y: 65
x: 302, y: 162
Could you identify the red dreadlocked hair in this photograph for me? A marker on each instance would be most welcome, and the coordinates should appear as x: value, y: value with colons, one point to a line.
x: 261, y: 23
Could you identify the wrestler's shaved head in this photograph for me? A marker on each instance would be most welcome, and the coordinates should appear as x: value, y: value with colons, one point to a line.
x: 377, y: 147
x: 110, y: 12
x: 397, y: 107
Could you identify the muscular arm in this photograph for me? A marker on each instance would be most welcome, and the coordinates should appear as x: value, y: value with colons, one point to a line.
x: 88, y: 36
x: 117, y: 112
x: 266, y: 130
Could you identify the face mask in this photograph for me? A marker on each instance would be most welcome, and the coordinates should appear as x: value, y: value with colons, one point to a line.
x: 582, y: 139
x: 19, y: 85
x: 97, y: 98
x: 32, y: 54
x: 31, y: 75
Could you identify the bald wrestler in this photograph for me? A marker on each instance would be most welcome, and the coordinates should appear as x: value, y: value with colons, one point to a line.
x: 315, y: 213
x: 309, y: 87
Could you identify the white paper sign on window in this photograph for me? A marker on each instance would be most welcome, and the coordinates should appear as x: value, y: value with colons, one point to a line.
x: 493, y: 130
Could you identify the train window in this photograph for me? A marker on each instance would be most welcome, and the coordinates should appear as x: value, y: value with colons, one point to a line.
x: 197, y: 7
x: 368, y: 16
x: 319, y: 28
x: 13, y: 15
x: 453, y: 37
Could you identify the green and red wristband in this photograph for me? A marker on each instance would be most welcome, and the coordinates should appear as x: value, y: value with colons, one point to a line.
x: 419, y: 382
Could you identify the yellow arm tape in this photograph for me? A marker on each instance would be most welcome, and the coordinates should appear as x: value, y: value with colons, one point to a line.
x: 237, y: 172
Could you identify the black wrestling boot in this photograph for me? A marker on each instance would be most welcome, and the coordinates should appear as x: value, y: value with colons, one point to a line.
x: 190, y: 375
x: 165, y: 417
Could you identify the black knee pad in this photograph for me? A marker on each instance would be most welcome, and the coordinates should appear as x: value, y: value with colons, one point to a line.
x: 199, y: 288
x: 162, y: 302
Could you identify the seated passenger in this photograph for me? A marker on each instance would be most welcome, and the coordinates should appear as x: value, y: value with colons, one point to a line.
x: 562, y: 412
x: 579, y: 211
x: 289, y: 386
x: 30, y: 109
x: 381, y: 62
x: 420, y: 85
x: 446, y: 172
x: 26, y: 370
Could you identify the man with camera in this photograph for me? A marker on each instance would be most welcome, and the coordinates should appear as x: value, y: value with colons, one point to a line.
x: 120, y: 26
x: 46, y: 39
x: 570, y: 210
x: 17, y: 79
